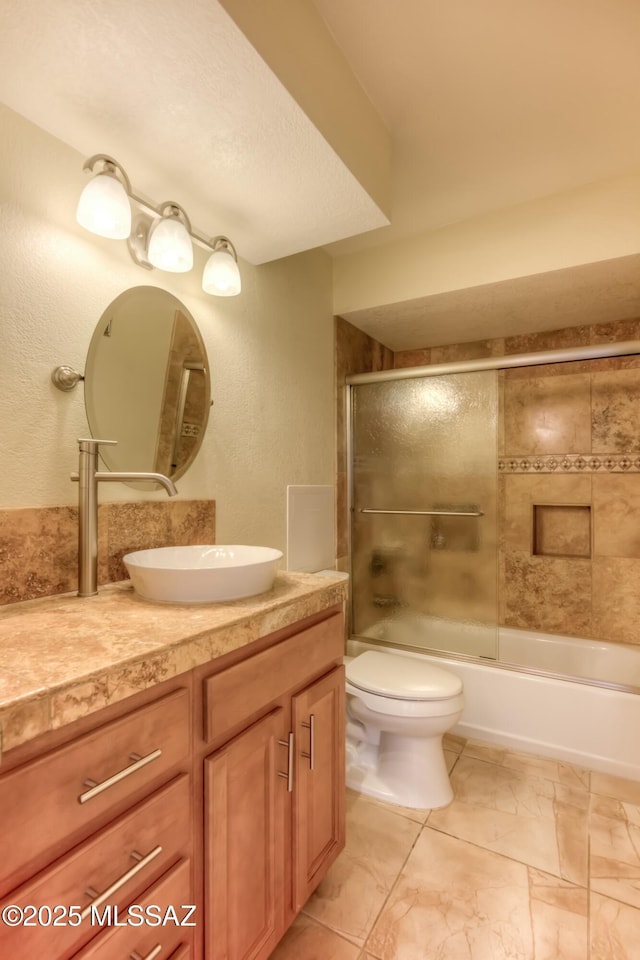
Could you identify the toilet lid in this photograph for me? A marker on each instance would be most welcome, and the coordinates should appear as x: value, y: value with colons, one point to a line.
x: 403, y: 678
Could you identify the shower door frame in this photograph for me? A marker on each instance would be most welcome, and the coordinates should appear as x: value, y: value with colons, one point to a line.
x: 596, y: 352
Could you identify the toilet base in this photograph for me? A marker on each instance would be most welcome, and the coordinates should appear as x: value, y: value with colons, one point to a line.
x: 408, y: 771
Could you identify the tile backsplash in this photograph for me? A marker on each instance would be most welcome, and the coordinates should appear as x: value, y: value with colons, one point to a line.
x: 39, y: 545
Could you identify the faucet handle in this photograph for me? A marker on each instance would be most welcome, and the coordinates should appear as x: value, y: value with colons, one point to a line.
x: 91, y: 445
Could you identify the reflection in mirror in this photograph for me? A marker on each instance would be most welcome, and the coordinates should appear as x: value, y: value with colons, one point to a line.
x: 147, y: 383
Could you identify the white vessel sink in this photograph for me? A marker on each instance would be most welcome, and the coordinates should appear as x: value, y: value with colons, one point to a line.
x: 202, y: 574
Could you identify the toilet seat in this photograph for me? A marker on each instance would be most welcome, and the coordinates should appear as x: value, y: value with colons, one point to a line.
x: 399, y: 707
x: 401, y: 678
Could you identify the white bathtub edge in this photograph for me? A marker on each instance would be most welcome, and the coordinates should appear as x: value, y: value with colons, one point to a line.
x: 588, y: 726
x: 552, y: 751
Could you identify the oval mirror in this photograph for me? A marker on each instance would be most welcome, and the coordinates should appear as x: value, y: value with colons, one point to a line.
x: 147, y: 383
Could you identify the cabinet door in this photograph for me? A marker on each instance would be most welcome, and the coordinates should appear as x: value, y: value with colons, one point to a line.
x: 246, y: 803
x: 319, y: 796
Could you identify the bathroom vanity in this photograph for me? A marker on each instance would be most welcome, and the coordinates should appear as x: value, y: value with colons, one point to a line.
x: 167, y: 757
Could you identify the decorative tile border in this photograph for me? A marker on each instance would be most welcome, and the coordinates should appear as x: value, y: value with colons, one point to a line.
x: 571, y: 463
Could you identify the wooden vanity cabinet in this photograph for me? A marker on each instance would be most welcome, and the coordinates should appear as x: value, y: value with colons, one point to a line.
x: 97, y: 813
x: 166, y: 940
x: 319, y: 791
x: 245, y: 826
x: 223, y: 788
x: 274, y: 791
x: 64, y: 795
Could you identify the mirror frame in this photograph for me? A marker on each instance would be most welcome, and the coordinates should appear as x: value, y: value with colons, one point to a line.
x: 170, y: 384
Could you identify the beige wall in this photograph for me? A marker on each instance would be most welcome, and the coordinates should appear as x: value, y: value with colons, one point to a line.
x: 270, y: 352
x: 585, y: 225
x: 315, y: 72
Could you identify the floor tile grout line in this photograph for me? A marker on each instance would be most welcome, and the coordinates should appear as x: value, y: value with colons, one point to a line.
x: 505, y: 856
x: 338, y: 933
x: 467, y: 752
x: 589, y: 882
x: 396, y: 809
x: 417, y: 824
x: 392, y: 888
x: 528, y: 867
x: 582, y: 783
x: 522, y: 773
x: 425, y: 824
x: 531, y: 920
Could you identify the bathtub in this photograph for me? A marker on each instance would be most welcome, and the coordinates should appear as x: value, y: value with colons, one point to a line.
x: 525, y: 701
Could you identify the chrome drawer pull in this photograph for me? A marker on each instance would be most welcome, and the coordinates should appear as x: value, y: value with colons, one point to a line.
x: 288, y: 776
x: 120, y: 882
x: 311, y: 755
x: 150, y: 956
x: 138, y: 763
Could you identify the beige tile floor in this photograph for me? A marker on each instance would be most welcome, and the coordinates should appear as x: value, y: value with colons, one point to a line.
x: 533, y: 860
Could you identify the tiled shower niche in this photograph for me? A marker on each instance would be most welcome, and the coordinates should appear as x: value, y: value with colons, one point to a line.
x: 561, y: 530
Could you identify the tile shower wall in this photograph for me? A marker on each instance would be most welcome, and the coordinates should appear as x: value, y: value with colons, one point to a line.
x: 39, y: 546
x: 569, y: 445
x: 571, y: 441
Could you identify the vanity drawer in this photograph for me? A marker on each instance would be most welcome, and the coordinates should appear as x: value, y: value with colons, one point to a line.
x: 172, y: 890
x: 233, y: 695
x: 47, y: 800
x: 114, y: 867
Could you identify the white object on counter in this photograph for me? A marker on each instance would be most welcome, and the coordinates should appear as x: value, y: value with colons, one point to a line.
x: 311, y: 542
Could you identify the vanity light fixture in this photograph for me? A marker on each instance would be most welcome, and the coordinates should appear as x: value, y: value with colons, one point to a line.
x: 161, y: 236
x: 221, y: 275
x: 104, y: 206
x: 170, y: 245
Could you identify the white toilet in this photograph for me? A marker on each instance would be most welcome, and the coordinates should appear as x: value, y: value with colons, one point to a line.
x: 398, y: 708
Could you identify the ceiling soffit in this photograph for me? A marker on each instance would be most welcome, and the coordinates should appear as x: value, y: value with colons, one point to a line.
x: 182, y: 99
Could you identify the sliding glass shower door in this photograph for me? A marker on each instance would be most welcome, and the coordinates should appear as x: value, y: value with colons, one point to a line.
x: 424, y: 496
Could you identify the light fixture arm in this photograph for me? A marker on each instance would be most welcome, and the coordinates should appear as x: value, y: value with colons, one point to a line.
x: 223, y: 243
x: 110, y: 166
x: 173, y: 209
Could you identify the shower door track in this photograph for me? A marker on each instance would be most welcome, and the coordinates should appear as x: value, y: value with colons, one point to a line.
x: 596, y: 352
x: 427, y: 513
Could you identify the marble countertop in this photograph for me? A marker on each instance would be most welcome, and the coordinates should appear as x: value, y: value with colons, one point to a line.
x: 64, y: 657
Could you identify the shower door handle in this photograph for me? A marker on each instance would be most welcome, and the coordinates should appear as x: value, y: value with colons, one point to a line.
x: 427, y: 513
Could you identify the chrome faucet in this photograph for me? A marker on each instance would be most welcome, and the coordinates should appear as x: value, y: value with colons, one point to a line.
x: 88, y: 478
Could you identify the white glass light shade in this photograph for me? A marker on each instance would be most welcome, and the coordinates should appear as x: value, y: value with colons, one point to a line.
x: 104, y: 208
x: 170, y: 246
x: 221, y: 276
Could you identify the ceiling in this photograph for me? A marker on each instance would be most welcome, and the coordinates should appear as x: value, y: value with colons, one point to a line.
x: 487, y: 106
x: 593, y: 293
x: 490, y: 104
